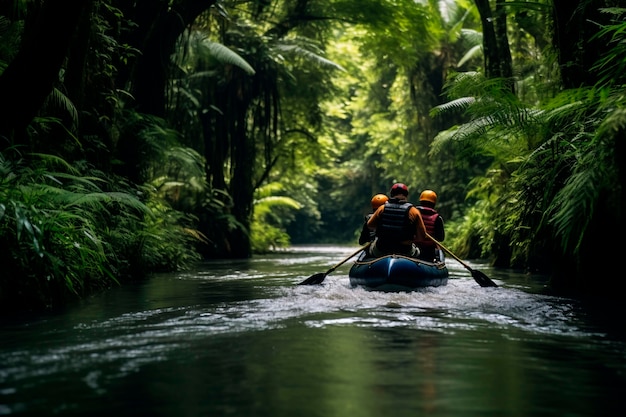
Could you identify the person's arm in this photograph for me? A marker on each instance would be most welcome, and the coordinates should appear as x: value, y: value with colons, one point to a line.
x: 373, y: 221
x: 420, y: 229
x: 365, y: 234
x: 440, y: 233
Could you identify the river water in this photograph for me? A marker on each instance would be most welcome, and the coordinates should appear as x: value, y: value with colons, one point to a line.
x: 240, y: 338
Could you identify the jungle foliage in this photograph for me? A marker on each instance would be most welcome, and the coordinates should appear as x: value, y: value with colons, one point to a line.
x: 144, y: 136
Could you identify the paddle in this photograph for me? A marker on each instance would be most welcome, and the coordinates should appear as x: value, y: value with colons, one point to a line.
x: 321, y: 276
x: 482, y: 279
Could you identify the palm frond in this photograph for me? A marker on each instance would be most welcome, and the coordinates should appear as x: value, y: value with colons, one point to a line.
x: 472, y: 36
x: 269, y: 189
x: 227, y: 56
x: 265, y: 205
x: 471, y: 53
x: 299, y: 51
x: 57, y: 100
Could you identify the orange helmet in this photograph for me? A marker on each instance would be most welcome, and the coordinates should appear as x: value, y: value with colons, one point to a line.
x: 429, y: 195
x: 378, y: 200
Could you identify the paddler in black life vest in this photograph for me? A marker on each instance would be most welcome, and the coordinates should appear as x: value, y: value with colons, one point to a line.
x: 397, y: 224
x: 429, y: 251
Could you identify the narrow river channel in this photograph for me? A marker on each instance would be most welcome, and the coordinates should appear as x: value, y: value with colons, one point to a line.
x: 241, y: 338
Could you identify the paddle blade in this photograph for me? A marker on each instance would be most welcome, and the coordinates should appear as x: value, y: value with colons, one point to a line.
x: 315, y: 279
x: 482, y: 279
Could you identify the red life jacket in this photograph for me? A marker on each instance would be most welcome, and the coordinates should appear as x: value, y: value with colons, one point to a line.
x: 429, y: 216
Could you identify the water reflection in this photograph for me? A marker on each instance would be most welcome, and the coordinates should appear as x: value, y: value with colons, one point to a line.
x: 241, y: 338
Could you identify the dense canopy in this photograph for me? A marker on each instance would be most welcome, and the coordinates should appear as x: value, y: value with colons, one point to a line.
x: 143, y: 136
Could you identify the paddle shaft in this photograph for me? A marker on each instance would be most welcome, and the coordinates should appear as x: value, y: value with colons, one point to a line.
x: 482, y: 279
x: 364, y: 247
x: 318, y: 278
x: 448, y: 251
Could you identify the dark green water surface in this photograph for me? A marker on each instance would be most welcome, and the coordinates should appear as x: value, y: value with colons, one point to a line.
x: 240, y: 338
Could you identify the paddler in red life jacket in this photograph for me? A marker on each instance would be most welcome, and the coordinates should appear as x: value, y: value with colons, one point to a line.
x: 429, y: 250
x: 397, y: 224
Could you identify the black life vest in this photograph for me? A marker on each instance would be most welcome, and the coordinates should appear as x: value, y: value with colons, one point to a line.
x: 394, y: 225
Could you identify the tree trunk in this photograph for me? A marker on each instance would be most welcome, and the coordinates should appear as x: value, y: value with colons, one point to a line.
x: 159, y: 25
x: 241, y: 186
x: 30, y: 77
x: 575, y: 23
x: 505, y: 64
x: 496, y: 52
x: 490, y: 43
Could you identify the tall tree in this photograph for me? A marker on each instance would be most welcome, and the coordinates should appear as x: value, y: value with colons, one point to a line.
x: 496, y: 52
x: 156, y: 27
x: 159, y: 24
x: 244, y: 131
x: 575, y: 24
x: 31, y: 75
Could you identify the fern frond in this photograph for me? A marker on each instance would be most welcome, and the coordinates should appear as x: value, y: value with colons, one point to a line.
x: 573, y: 208
x: 458, y: 104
